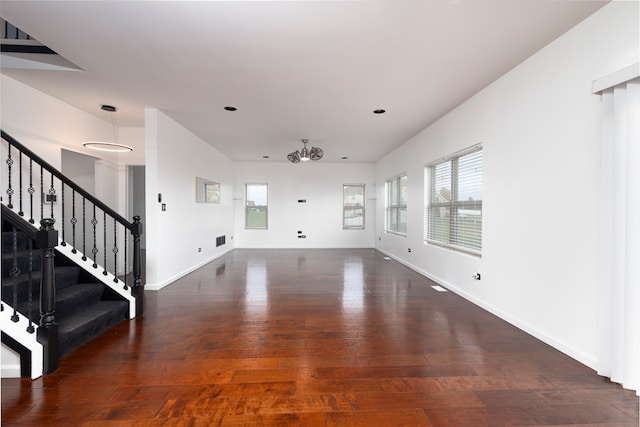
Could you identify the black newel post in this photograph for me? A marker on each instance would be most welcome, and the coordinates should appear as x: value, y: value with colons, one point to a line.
x: 137, y: 290
x: 47, y: 239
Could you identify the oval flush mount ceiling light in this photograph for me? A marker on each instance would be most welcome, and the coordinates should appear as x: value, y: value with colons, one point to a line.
x: 113, y: 147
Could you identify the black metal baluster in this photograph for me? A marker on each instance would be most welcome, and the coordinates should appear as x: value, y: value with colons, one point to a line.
x: 63, y: 242
x: 14, y: 273
x: 31, y: 191
x: 115, y: 251
x: 52, y: 193
x: 94, y: 251
x: 30, y: 328
x: 125, y: 260
x: 84, y: 229
x: 20, y: 211
x: 41, y: 193
x: 104, y: 243
x: 74, y: 220
x: 9, y: 188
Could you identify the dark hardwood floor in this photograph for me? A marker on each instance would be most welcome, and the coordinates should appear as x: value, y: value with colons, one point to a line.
x: 315, y: 338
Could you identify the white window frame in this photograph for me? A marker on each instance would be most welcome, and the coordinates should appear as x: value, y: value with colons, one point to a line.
x: 249, y: 206
x: 396, y: 207
x: 464, y: 237
x: 349, y: 211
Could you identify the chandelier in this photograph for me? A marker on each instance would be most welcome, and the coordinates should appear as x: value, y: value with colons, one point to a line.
x: 108, y: 145
x: 305, y: 154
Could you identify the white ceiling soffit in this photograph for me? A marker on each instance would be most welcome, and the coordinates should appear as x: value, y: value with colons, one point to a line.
x: 20, y: 51
x: 34, y: 61
x: 296, y: 69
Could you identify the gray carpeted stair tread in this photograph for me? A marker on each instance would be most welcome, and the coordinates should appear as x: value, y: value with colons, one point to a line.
x: 68, y: 300
x: 89, y: 322
x: 64, y: 276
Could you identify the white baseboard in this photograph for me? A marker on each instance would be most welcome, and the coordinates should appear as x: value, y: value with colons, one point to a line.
x: 10, y: 371
x: 158, y: 286
x: 580, y: 356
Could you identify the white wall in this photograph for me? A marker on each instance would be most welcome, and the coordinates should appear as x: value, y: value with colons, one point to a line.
x: 175, y: 157
x: 320, y: 218
x: 540, y: 128
x: 80, y: 168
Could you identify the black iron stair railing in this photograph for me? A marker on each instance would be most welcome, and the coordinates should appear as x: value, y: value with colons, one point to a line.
x: 46, y: 239
x: 16, y: 268
x: 33, y: 187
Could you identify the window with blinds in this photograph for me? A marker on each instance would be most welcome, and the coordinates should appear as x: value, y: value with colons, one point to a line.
x: 396, y: 205
x: 453, y: 196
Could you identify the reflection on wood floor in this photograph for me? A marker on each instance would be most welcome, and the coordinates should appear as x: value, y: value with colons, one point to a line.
x: 315, y: 338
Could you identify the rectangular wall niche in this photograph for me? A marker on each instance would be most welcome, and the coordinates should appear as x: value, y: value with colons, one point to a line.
x: 207, y: 191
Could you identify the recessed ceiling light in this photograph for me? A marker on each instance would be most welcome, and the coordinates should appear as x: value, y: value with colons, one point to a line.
x: 230, y: 108
x: 379, y: 111
x: 344, y: 157
x: 265, y: 157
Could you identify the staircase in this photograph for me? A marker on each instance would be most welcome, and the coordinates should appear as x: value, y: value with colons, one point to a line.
x: 84, y: 307
x: 70, y: 279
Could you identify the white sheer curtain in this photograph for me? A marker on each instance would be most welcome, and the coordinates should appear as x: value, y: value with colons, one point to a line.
x: 619, y: 297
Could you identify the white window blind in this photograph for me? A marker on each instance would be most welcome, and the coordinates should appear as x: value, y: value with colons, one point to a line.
x: 619, y: 243
x: 453, y: 195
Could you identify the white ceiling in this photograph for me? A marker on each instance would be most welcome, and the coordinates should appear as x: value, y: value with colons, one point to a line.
x: 294, y: 69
